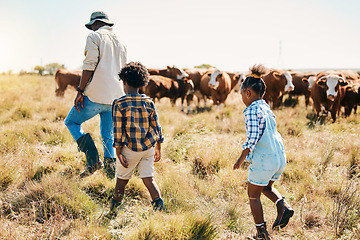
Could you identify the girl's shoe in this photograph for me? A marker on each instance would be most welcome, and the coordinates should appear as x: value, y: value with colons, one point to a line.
x: 262, y: 233
x: 284, y: 213
x: 158, y: 204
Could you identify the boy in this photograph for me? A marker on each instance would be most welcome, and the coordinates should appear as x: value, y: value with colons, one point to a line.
x: 137, y: 135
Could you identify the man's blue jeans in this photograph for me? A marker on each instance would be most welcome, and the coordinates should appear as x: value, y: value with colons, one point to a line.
x: 74, y: 120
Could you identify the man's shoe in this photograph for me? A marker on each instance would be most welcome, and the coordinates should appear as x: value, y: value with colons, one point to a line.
x: 90, y: 170
x: 86, y: 145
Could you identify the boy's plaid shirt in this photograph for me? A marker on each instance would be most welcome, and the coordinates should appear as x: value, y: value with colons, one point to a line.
x: 255, y: 123
x: 136, y: 123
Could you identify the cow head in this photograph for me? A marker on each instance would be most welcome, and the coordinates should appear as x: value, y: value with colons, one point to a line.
x: 331, y: 83
x: 240, y: 78
x: 309, y: 81
x: 177, y: 73
x: 190, y: 84
x: 285, y: 77
x: 213, y: 82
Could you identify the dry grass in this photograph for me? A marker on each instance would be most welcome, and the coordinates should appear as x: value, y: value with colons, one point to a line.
x: 41, y: 196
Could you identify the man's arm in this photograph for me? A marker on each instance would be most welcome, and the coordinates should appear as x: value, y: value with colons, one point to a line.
x: 85, y: 78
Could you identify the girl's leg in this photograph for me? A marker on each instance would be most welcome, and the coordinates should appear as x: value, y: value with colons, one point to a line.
x: 284, y: 211
x: 120, y: 189
x: 271, y: 192
x: 254, y: 193
x: 153, y: 188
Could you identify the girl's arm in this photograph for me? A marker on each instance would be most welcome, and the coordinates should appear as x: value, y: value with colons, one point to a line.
x: 242, y: 157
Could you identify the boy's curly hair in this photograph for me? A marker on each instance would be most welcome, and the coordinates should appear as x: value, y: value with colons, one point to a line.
x: 134, y: 74
x: 254, y: 80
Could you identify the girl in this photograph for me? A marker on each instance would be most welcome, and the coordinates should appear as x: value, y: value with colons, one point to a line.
x: 264, y: 150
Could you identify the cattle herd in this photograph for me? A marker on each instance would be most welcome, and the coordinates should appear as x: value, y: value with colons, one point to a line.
x: 329, y: 90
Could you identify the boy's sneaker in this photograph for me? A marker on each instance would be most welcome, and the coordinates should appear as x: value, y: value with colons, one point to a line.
x: 112, y: 208
x: 158, y: 204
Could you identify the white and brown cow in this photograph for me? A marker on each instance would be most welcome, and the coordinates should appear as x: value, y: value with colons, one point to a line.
x: 327, y: 92
x: 236, y: 80
x: 301, y: 85
x: 220, y: 86
x: 65, y: 78
x: 277, y: 83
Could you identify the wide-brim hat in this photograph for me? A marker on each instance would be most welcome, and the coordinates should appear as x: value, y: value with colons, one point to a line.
x: 98, y: 16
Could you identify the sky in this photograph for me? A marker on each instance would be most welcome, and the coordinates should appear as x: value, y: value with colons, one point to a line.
x: 231, y: 35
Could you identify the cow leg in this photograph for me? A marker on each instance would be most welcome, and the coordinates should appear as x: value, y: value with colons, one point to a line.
x: 276, y: 103
x: 307, y: 101
x: 182, y: 104
x: 173, y: 100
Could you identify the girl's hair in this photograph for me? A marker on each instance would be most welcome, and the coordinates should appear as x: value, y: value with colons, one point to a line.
x: 134, y: 74
x: 254, y: 81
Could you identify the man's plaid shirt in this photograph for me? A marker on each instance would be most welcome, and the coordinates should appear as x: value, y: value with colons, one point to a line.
x: 136, y: 123
x: 255, y: 123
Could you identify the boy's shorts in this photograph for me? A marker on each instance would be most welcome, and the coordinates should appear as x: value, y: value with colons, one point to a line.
x: 267, y: 168
x: 144, y: 161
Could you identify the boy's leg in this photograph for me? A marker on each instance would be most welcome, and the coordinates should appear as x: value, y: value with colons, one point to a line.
x: 153, y: 188
x: 157, y: 201
x: 120, y: 189
x: 254, y: 193
x: 117, y: 197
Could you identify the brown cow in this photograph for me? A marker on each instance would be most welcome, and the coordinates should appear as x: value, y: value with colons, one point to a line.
x: 195, y: 74
x: 218, y: 84
x: 65, y: 78
x: 170, y: 72
x: 351, y: 98
x: 160, y: 86
x: 350, y: 75
x: 236, y: 80
x: 301, y: 85
x: 327, y: 92
x: 277, y: 83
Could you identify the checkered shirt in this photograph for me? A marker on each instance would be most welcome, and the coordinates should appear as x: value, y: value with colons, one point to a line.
x: 136, y: 123
x: 255, y: 123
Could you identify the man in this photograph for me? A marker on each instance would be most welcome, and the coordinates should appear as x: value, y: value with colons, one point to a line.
x: 99, y: 86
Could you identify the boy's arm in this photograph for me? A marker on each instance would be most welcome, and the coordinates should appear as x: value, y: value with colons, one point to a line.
x: 154, y: 121
x: 121, y: 157
x: 242, y: 157
x: 157, y: 156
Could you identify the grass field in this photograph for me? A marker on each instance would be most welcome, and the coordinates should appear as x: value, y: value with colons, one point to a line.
x: 42, y: 197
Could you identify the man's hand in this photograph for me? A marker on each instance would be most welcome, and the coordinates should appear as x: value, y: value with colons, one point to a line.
x: 79, y: 99
x: 157, y: 156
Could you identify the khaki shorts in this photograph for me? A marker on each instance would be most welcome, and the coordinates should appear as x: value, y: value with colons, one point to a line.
x: 144, y: 161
